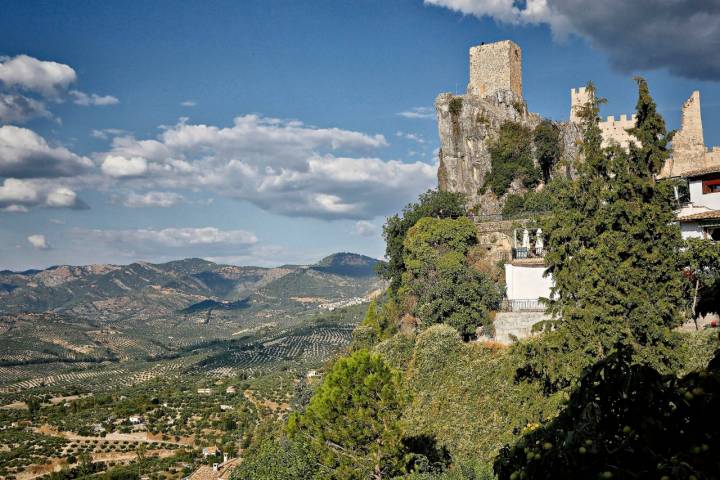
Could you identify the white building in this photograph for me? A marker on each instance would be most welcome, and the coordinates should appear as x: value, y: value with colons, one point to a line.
x: 700, y: 216
x: 525, y: 278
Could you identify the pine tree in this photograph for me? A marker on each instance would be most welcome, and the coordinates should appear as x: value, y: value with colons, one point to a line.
x: 352, y: 422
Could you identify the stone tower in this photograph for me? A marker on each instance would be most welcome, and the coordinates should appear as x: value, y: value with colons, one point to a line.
x: 689, y: 150
x: 578, y: 98
x: 495, y: 66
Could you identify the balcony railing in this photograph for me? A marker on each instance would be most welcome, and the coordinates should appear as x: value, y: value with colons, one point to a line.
x: 522, y: 305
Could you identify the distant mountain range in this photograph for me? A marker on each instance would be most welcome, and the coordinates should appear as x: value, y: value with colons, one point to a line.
x: 98, y: 313
x: 180, y: 283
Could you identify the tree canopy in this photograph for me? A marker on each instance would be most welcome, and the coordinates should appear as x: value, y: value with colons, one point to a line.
x: 613, y: 248
x: 432, y: 203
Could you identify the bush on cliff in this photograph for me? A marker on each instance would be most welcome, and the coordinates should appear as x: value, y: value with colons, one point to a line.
x: 432, y: 203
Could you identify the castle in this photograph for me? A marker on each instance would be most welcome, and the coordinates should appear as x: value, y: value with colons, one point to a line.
x: 467, y: 123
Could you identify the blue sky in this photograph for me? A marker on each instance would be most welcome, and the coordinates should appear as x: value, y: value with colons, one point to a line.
x: 270, y: 132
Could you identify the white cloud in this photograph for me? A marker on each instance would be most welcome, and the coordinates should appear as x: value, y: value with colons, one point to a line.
x: 151, y: 199
x: 682, y: 36
x: 419, y: 113
x: 38, y: 242
x: 25, y: 154
x: 118, y: 166
x: 151, y: 239
x: 366, y: 229
x: 105, y: 133
x: 20, y: 109
x: 281, y: 166
x: 84, y: 99
x: 411, y: 136
x: 188, y: 103
x: 30, y: 74
x: 14, y: 209
x: 17, y: 195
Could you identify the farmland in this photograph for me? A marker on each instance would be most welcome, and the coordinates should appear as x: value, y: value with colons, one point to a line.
x: 184, y: 356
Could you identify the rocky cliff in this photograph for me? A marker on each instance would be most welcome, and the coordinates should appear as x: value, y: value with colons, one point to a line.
x: 466, y: 124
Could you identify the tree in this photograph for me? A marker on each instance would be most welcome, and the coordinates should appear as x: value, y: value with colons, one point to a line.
x: 626, y: 421
x: 443, y: 287
x: 276, y: 459
x: 431, y: 204
x: 546, y: 138
x: 352, y: 422
x: 612, y: 249
x: 702, y: 270
x: 511, y: 157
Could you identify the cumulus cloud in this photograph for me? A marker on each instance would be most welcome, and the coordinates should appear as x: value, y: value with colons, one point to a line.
x: 18, y: 195
x: 38, y: 242
x: 281, y: 166
x: 92, y: 99
x: 25, y: 154
x: 366, y: 229
x: 188, y: 103
x: 30, y: 74
x: 151, y: 199
x: 682, y: 36
x: 419, y: 112
x: 410, y: 136
x: 118, y: 166
x: 20, y: 109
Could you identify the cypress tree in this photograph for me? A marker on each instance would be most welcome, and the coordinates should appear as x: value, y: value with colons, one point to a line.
x: 613, y: 248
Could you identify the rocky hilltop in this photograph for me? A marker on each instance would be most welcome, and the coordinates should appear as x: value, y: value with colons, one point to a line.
x: 467, y: 124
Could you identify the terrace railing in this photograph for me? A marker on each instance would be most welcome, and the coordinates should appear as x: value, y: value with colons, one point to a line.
x: 522, y: 305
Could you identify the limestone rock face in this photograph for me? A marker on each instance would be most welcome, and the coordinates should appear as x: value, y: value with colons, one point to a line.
x: 466, y: 124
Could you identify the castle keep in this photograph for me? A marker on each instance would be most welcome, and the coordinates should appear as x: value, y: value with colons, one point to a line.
x: 496, y: 66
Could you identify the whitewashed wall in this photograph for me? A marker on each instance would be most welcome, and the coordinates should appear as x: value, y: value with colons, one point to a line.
x: 527, y: 282
x: 710, y: 200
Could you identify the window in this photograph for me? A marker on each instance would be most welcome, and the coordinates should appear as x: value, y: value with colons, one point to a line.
x: 711, y: 185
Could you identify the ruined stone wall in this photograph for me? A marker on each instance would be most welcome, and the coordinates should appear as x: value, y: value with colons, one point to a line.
x: 495, y: 66
x: 689, y: 150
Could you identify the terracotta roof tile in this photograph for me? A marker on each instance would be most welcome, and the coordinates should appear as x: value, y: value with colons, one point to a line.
x: 701, y: 171
x: 711, y: 215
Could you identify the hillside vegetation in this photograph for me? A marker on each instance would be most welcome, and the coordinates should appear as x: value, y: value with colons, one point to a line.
x: 609, y: 388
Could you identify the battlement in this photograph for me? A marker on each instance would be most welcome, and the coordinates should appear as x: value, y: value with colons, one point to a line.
x: 495, y: 66
x: 623, y: 121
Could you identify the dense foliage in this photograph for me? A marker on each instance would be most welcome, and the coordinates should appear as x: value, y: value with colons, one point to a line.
x: 438, y: 282
x: 626, y: 421
x: 511, y: 155
x: 430, y: 204
x: 702, y: 270
x: 613, y: 249
x: 548, y: 150
x: 352, y: 420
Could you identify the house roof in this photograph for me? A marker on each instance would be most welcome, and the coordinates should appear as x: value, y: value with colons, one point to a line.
x: 709, y: 215
x: 206, y: 472
x: 702, y: 171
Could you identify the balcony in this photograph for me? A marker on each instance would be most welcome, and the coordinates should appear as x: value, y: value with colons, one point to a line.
x: 528, y: 244
x: 522, y: 305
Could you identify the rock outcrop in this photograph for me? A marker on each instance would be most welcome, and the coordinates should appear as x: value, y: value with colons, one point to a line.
x: 467, y: 124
